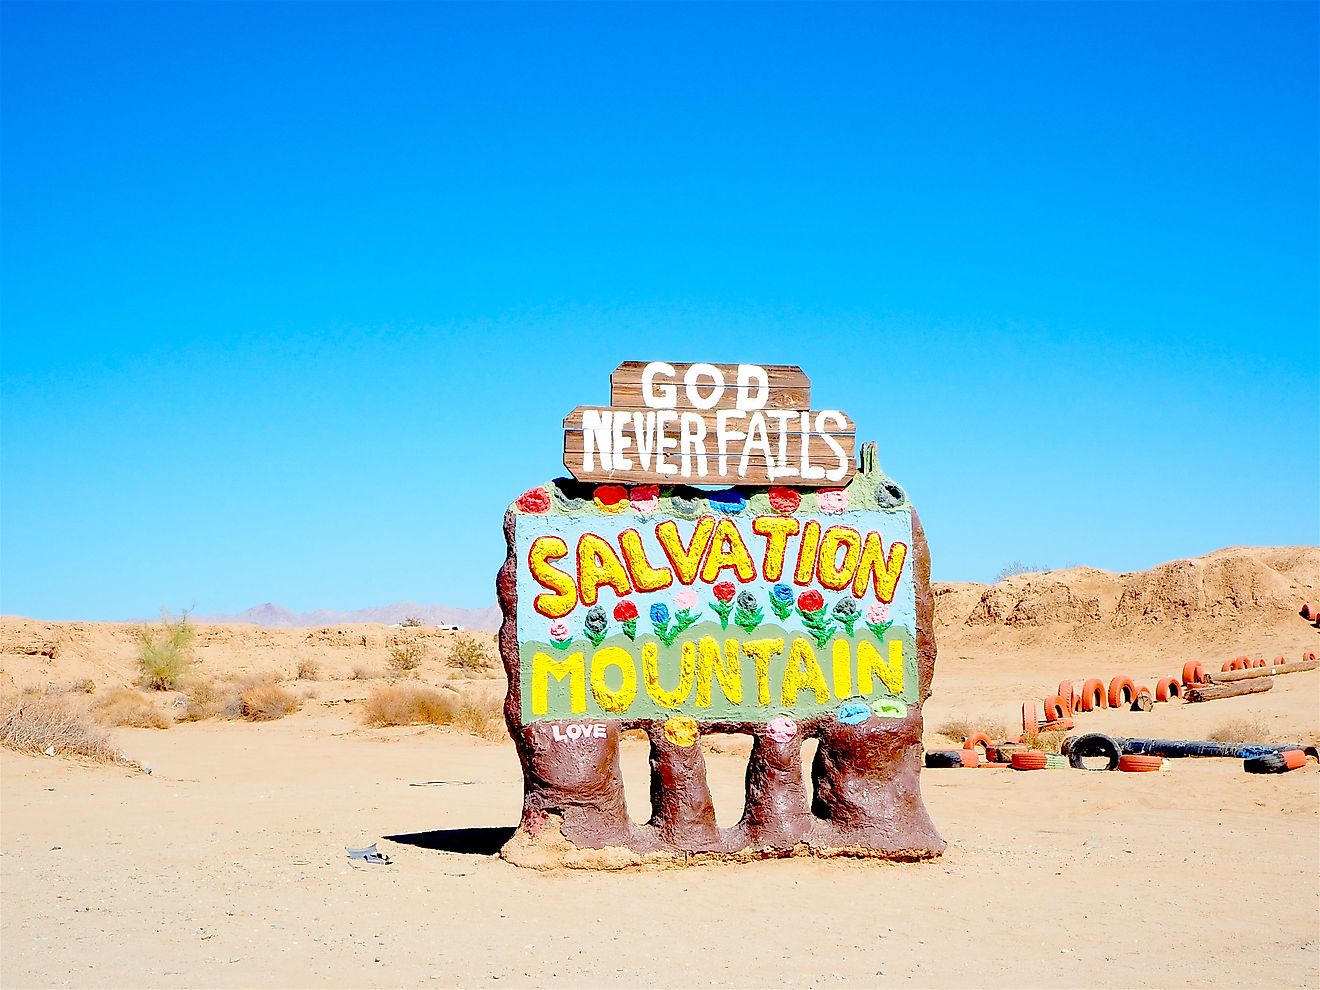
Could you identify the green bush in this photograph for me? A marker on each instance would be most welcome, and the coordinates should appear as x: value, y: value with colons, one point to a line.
x: 165, y: 653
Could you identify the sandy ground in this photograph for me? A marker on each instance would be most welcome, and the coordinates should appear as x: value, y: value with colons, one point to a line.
x: 225, y: 867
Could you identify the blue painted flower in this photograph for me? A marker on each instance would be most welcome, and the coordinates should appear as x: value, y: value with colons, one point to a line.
x: 660, y: 613
x: 854, y: 712
x: 783, y: 593
x: 728, y: 501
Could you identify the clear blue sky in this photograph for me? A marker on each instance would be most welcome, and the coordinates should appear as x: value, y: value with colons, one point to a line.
x: 296, y: 297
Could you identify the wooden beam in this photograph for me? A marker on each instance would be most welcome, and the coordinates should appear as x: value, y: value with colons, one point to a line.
x: 1214, y: 692
x: 1228, y: 676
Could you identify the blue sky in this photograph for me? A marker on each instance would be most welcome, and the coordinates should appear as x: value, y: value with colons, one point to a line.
x: 296, y: 297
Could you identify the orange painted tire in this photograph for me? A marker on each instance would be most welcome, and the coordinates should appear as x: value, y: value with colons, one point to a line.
x: 1144, y: 691
x: 978, y: 739
x: 1293, y: 759
x: 1030, y: 760
x: 1280, y: 661
x: 1056, y: 708
x: 1308, y: 656
x: 970, y: 757
x: 1240, y: 663
x: 1193, y: 672
x: 1069, y: 694
x: 1228, y: 665
x: 1167, y: 688
x: 1259, y: 662
x: 1122, y: 692
x: 1133, y: 763
x: 1030, y: 724
x: 1308, y: 612
x: 1093, y: 695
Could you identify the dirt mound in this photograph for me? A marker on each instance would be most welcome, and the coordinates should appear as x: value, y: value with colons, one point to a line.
x: 1245, y: 595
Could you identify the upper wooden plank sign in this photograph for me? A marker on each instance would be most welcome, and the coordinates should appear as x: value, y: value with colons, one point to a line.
x: 710, y: 424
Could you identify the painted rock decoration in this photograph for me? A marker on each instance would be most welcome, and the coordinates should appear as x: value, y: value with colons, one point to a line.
x: 783, y: 611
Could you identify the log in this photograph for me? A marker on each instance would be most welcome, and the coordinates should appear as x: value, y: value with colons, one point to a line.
x: 1228, y: 676
x: 1214, y: 692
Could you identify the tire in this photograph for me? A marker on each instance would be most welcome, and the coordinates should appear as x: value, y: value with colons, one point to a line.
x: 1293, y: 759
x: 1133, y: 763
x: 1093, y: 695
x: 1238, y: 663
x: 978, y: 739
x: 1168, y: 687
x: 1193, y: 672
x: 1029, y: 760
x: 1269, y: 763
x: 1056, y: 708
x: 970, y: 757
x: 1259, y: 662
x: 1090, y: 746
x: 1280, y: 661
x: 1308, y: 612
x: 1030, y: 724
x: 1122, y: 692
x: 1004, y: 753
x: 1056, y: 761
x: 1308, y: 655
x: 1069, y: 695
x: 944, y: 758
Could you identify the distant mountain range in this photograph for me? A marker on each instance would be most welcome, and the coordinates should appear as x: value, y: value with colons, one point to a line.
x: 278, y: 617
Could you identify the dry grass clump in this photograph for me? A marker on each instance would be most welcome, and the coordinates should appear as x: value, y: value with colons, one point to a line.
x: 361, y: 672
x: 124, y: 706
x: 1045, y: 742
x: 267, y: 703
x: 308, y: 670
x: 413, y: 704
x: 203, y: 700
x: 1252, y: 728
x: 165, y: 652
x: 959, y: 727
x: 34, y: 723
x: 406, y: 657
x: 469, y: 653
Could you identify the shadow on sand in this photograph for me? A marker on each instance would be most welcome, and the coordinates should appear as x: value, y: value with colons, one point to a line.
x: 468, y: 841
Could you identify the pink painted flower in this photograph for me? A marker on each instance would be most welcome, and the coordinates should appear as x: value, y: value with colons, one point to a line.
x: 536, y: 500
x: 781, y: 729
x: 559, y: 630
x: 877, y: 613
x: 685, y: 599
x: 645, y: 498
x: 832, y: 499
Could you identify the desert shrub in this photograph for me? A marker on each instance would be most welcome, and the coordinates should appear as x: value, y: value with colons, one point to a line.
x: 165, y: 652
x: 33, y: 723
x: 124, y: 706
x: 85, y: 686
x: 308, y: 670
x: 1250, y: 729
x: 412, y: 621
x: 203, y: 700
x: 411, y: 704
x: 267, y: 702
x: 959, y: 727
x: 406, y: 657
x: 1045, y: 742
x: 1016, y: 567
x: 361, y: 672
x: 469, y: 654
x: 482, y: 718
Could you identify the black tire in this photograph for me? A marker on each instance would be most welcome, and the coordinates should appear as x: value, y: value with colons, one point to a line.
x: 1090, y: 746
x: 944, y: 758
x: 1269, y: 763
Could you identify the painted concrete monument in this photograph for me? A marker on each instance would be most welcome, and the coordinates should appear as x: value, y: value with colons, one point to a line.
x: 792, y: 604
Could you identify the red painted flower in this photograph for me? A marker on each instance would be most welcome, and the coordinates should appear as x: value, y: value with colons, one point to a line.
x: 785, y: 500
x: 611, y: 498
x: 725, y: 591
x: 536, y: 500
x: 811, y: 601
x: 624, y: 611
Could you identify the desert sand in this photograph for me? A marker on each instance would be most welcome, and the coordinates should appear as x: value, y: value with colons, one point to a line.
x: 225, y: 866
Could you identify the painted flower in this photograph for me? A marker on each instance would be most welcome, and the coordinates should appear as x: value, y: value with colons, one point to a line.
x: 781, y: 600
x: 749, y: 614
x: 724, y: 591
x: 560, y: 635
x: 611, y: 498
x: 846, y: 613
x: 811, y: 601
x: 624, y: 611
x: 660, y: 614
x: 785, y: 501
x: 685, y: 599
x: 832, y: 499
x: 781, y: 729
x: 645, y: 498
x: 854, y: 712
x: 534, y: 500
x: 729, y: 502
x: 878, y: 612
x: 597, y: 626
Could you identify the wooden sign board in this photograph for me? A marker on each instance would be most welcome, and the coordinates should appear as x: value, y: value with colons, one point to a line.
x: 710, y: 424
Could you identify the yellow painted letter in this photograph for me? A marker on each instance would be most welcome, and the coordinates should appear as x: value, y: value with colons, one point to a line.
x: 573, y: 667
x: 729, y: 671
x: 776, y: 530
x: 803, y: 671
x: 763, y: 650
x: 613, y: 701
x: 874, y: 566
x: 564, y: 600
x: 891, y: 671
x: 687, y: 672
